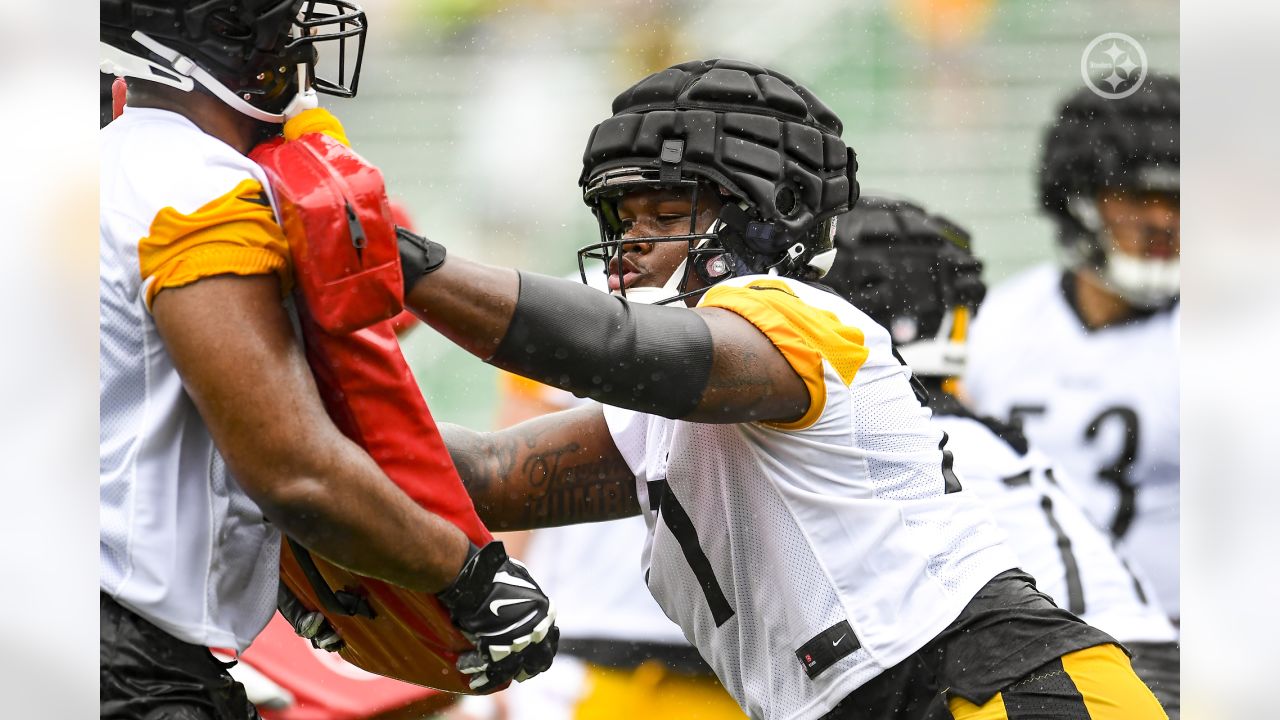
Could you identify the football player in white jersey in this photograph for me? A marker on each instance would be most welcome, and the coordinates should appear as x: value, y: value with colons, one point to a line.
x: 213, y: 435
x: 1084, y: 356
x: 805, y: 527
x: 914, y: 273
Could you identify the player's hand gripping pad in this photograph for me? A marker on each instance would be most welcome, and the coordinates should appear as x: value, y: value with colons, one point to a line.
x: 372, y: 397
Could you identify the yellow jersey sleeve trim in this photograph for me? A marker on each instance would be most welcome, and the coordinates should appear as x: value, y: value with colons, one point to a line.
x: 235, y: 234
x: 805, y: 335
x: 315, y: 120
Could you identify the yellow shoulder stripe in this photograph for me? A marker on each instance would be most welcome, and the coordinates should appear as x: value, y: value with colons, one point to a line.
x: 235, y: 234
x: 805, y: 335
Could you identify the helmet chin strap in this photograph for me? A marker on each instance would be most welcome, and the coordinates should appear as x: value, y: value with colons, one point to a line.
x: 122, y: 63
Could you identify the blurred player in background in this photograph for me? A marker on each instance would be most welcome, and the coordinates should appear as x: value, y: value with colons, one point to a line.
x: 915, y: 274
x: 1084, y: 357
x: 213, y: 435
x: 805, y: 527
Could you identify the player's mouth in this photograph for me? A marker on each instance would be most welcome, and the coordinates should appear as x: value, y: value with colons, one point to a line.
x: 622, y: 274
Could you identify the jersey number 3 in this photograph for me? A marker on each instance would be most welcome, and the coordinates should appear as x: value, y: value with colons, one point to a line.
x: 1118, y: 473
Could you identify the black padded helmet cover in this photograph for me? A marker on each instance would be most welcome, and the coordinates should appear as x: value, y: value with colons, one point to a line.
x: 904, y: 267
x: 766, y: 140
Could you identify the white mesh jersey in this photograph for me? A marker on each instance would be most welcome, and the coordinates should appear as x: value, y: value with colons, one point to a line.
x: 1072, y: 560
x: 803, y: 559
x: 181, y: 544
x: 1102, y: 403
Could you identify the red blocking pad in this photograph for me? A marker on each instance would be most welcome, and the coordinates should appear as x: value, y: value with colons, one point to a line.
x: 344, y: 296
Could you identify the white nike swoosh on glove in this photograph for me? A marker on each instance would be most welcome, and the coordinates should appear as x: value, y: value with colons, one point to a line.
x: 497, y: 605
x: 509, y: 628
x: 507, y: 578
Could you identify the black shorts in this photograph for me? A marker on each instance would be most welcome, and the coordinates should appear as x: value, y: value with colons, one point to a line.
x: 147, y: 674
x: 1160, y: 667
x: 1005, y: 635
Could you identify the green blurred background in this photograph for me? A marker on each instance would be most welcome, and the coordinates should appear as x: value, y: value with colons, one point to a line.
x: 477, y: 111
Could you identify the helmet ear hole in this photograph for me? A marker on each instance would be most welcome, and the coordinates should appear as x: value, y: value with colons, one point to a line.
x: 786, y: 201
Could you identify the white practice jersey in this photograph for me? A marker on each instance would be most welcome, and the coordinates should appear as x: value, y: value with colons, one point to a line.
x: 1102, y: 403
x: 802, y: 559
x: 1072, y: 560
x: 181, y: 544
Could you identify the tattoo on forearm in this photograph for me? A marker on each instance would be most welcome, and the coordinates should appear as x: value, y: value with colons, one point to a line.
x: 564, y: 492
x: 516, y: 485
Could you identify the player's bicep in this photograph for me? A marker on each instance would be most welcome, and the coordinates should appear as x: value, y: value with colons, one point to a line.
x: 751, y: 380
x: 233, y: 346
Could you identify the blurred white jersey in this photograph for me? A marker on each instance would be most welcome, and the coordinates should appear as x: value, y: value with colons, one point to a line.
x: 181, y: 544
x: 802, y: 559
x: 1072, y: 560
x: 1102, y: 403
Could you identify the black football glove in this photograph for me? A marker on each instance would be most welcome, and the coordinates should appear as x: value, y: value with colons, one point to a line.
x: 499, y: 607
x: 309, y: 624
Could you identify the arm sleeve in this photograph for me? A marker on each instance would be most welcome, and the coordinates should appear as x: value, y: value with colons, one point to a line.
x: 648, y: 358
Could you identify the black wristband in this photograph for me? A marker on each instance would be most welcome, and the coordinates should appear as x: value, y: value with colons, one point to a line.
x: 649, y: 358
x: 418, y: 256
x: 468, y: 589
